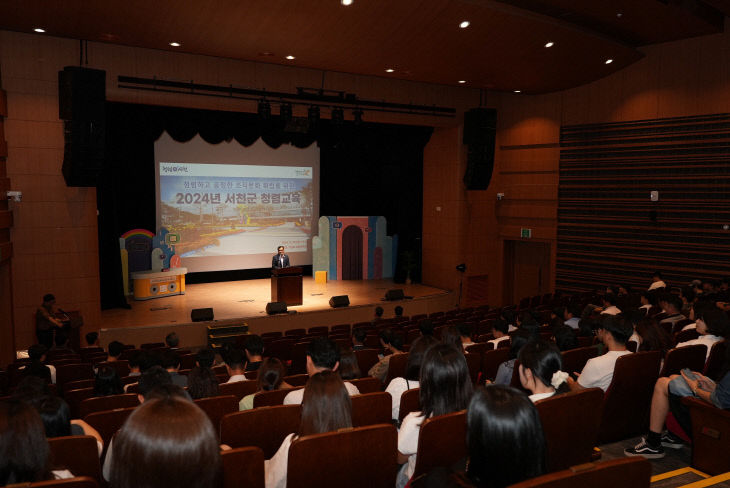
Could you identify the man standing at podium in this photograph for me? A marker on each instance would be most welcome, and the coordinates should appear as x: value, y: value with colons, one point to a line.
x: 280, y: 260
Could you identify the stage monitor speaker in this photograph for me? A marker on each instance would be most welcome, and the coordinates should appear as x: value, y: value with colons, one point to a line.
x: 275, y: 307
x: 340, y: 301
x: 480, y: 128
x: 82, y: 106
x: 201, y: 314
x: 396, y: 294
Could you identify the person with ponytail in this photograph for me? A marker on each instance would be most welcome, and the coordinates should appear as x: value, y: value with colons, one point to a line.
x: 541, y: 370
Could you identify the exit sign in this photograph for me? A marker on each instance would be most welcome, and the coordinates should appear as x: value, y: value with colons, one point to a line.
x: 526, y: 233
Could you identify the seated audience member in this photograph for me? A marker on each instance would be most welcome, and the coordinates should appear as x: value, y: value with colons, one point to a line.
x: 505, y: 370
x: 540, y: 370
x: 528, y: 322
x: 171, y: 362
x: 202, y: 381
x: 322, y: 355
x: 668, y: 392
x: 500, y: 330
x: 37, y: 355
x: 114, y: 349
x: 398, y: 311
x: 572, y: 316
x: 671, y: 304
x: 398, y: 386
x: 614, y: 332
x: 135, y: 362
x: 254, y: 352
x: 24, y: 451
x: 648, y: 300
x: 609, y: 305
x: 235, y: 365
x: 107, y: 382
x: 172, y: 340
x: 465, y: 330
x: 445, y: 387
x: 378, y: 315
x: 451, y: 336
x: 270, y: 377
x: 392, y: 344
x: 509, y: 317
x: 587, y: 327
x: 166, y: 442
x: 56, y: 417
x: 326, y: 407
x: 349, y: 368
x: 712, y: 326
x: 657, y: 281
x: 565, y: 338
x: 687, y: 296
x: 358, y: 339
x: 92, y: 339
x: 425, y: 326
x: 652, y: 337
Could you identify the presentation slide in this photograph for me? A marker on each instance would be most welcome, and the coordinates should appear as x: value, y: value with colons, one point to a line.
x: 231, y: 206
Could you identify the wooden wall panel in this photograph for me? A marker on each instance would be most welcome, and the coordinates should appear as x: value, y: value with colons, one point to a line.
x: 7, y: 329
x: 609, y: 231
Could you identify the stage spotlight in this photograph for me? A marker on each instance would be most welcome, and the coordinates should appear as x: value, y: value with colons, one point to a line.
x: 264, y: 110
x: 313, y: 115
x: 357, y: 114
x: 338, y: 116
x: 285, y: 111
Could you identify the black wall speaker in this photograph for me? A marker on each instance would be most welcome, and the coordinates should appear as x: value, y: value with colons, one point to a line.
x: 396, y: 294
x: 480, y: 128
x: 340, y: 301
x: 201, y: 314
x: 275, y: 307
x: 81, y: 104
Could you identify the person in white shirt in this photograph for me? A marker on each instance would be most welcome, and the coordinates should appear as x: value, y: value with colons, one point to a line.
x: 235, y: 365
x: 571, y: 315
x: 326, y: 407
x: 445, y: 387
x: 500, y: 332
x: 322, y: 354
x: 400, y: 385
x: 465, y: 331
x: 613, y: 331
x: 671, y: 304
x: 657, y: 281
x: 648, y: 300
x: 540, y: 370
x: 712, y: 326
x: 609, y: 305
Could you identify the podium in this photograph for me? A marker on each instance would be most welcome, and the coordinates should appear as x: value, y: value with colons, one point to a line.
x: 286, y: 285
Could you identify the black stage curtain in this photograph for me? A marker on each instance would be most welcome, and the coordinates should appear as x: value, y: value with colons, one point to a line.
x: 365, y: 169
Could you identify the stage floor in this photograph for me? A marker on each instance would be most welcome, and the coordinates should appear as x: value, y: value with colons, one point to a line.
x: 247, y: 299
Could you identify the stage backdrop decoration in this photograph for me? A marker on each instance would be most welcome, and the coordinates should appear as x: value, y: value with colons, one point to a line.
x: 141, y: 252
x: 354, y: 248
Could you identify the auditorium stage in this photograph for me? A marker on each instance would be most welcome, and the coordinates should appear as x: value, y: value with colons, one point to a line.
x: 245, y: 301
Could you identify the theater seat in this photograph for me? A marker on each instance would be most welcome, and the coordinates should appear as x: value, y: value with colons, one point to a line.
x: 574, y: 360
x: 710, y: 436
x: 78, y: 482
x: 692, y: 357
x: 361, y: 457
x: 100, y: 404
x: 632, y: 472
x: 238, y: 389
x: 366, y: 358
x: 271, y: 398
x: 367, y: 385
x: 714, y: 364
x: 371, y: 409
x: 441, y: 442
x: 396, y: 367
x: 77, y: 453
x: 409, y: 402
x: 218, y: 406
x: 264, y: 427
x: 243, y: 467
x: 491, y: 361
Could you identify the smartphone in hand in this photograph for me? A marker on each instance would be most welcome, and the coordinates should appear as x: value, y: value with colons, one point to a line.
x: 689, y: 374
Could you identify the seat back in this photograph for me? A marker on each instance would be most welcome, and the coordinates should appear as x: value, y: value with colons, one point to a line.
x: 152, y: 345
x: 77, y: 385
x: 396, y: 367
x: 491, y: 361
x: 479, y: 348
x: 686, y: 335
x: 280, y: 348
x: 271, y: 398
x: 410, y: 401
x: 218, y: 406
x: 99, y: 404
x: 710, y: 434
x: 362, y: 457
x: 371, y: 409
x: 474, y: 363
x: 77, y: 453
x: 714, y: 364
x: 366, y: 359
x: 367, y: 385
x: 78, y: 482
x: 570, y: 423
x: 73, y: 372
x: 574, y: 360
x: 107, y: 423
x: 74, y: 399
x: 264, y: 427
x: 299, y: 358
x: 122, y: 366
x: 627, y: 400
x: 238, y: 389
x: 441, y: 442
x: 243, y: 466
x: 692, y: 357
x: 297, y: 379
x: 634, y: 472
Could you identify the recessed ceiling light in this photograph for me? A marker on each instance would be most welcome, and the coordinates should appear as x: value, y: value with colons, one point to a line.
x: 290, y: 57
x: 39, y: 30
x: 389, y: 70
x: 550, y: 44
x: 464, y: 24
x: 462, y: 81
x: 346, y: 2
x: 609, y: 61
x: 175, y: 44
x: 518, y: 91
x: 619, y: 15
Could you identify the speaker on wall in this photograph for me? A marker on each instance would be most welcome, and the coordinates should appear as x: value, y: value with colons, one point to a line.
x: 81, y: 104
x: 201, y: 314
x: 395, y: 294
x: 340, y: 301
x: 275, y: 307
x: 480, y: 128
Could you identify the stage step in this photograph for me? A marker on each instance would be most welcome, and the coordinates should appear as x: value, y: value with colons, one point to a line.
x: 225, y: 334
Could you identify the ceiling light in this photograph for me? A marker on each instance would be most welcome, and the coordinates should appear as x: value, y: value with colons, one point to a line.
x: 550, y: 44
x: 518, y: 91
x: 609, y: 61
x: 464, y: 24
x: 175, y: 44
x: 462, y: 81
x: 290, y: 57
x: 346, y: 2
x: 619, y: 15
x: 389, y: 70
x: 39, y: 30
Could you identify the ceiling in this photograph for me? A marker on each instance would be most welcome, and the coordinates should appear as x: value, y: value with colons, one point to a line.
x: 420, y: 40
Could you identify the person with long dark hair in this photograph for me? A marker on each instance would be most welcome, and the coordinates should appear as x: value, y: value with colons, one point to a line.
x: 540, y: 370
x: 270, y: 377
x: 400, y: 385
x: 202, y: 381
x: 326, y: 407
x: 445, y: 387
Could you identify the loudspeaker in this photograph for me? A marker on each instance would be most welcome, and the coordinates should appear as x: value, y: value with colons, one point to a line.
x: 201, y: 314
x: 396, y: 294
x: 275, y: 307
x: 480, y: 127
x: 340, y: 301
x: 81, y: 104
